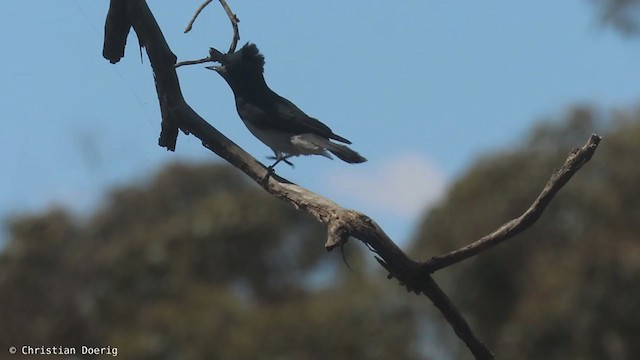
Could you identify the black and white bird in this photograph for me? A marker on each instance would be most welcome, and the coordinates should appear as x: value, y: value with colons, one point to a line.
x: 274, y: 120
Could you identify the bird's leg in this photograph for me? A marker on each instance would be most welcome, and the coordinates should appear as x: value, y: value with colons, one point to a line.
x: 279, y: 157
x: 270, y: 168
x: 283, y: 159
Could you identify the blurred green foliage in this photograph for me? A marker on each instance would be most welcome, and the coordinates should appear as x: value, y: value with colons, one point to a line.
x: 569, y: 287
x: 195, y: 264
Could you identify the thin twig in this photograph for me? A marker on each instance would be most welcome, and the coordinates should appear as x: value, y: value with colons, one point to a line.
x: 193, y: 62
x: 234, y: 40
x: 232, y: 17
x: 234, y: 24
x: 574, y: 162
x: 193, y: 19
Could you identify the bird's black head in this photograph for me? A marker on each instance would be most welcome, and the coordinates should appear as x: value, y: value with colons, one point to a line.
x: 244, y: 63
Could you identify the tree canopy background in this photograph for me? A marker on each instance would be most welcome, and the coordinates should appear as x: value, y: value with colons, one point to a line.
x: 196, y: 263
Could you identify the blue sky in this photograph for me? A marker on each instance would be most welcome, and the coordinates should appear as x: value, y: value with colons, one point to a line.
x: 421, y: 88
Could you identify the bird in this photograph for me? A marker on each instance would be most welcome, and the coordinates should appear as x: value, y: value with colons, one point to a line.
x: 273, y: 119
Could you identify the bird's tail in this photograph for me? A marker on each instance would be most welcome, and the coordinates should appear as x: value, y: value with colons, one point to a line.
x: 344, y: 153
x: 314, y: 144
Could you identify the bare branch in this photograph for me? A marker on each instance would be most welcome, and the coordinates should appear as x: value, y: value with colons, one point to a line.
x: 234, y: 39
x: 116, y: 30
x: 193, y: 19
x: 234, y: 24
x: 193, y: 62
x: 574, y: 162
x: 341, y: 223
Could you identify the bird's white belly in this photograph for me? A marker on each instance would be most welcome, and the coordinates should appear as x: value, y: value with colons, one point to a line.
x: 276, y: 140
x: 280, y: 142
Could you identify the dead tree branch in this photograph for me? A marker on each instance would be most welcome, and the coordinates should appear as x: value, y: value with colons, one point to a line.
x: 341, y: 223
x: 195, y: 16
x: 234, y: 25
x: 193, y: 62
x: 559, y: 178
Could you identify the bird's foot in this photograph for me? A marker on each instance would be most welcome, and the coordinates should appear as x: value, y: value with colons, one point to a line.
x: 283, y: 159
x: 266, y: 177
x: 271, y: 169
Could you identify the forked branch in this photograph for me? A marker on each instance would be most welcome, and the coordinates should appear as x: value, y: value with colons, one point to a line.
x: 234, y: 25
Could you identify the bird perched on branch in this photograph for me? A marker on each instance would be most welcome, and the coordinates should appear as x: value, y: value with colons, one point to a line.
x: 274, y: 120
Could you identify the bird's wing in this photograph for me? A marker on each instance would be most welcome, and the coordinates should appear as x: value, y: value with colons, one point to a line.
x: 292, y: 118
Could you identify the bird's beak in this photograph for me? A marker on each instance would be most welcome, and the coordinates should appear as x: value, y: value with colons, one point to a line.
x: 215, y: 68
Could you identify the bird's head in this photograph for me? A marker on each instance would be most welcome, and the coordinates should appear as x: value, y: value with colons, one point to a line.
x: 246, y: 62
